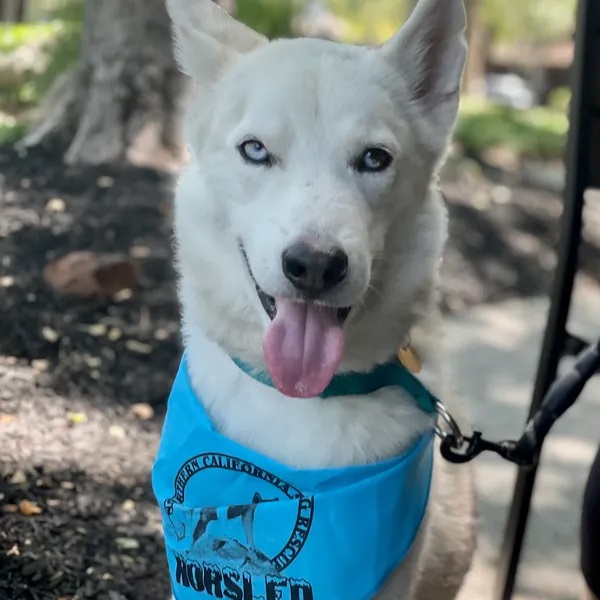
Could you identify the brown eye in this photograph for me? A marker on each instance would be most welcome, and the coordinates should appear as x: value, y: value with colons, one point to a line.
x: 255, y: 152
x: 374, y: 160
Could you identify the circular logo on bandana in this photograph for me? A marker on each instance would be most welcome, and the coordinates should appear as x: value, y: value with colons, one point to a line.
x: 258, y: 529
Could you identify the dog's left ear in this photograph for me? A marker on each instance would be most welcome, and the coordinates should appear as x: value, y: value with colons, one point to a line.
x: 429, y: 51
x: 207, y: 38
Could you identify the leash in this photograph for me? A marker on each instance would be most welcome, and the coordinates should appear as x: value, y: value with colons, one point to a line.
x: 458, y: 448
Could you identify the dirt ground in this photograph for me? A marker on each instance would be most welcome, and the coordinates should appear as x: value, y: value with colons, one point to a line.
x: 77, y: 515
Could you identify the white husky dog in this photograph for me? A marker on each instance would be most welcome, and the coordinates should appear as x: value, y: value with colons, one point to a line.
x: 310, y: 231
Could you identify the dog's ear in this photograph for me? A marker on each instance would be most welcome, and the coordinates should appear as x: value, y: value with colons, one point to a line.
x: 430, y: 52
x: 207, y: 38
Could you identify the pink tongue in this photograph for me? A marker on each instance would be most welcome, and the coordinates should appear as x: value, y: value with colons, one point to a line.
x: 303, y: 348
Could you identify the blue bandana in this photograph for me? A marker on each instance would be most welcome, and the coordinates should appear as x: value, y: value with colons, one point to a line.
x: 242, y: 526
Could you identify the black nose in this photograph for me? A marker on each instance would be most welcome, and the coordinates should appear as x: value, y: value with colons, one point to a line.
x: 314, y: 271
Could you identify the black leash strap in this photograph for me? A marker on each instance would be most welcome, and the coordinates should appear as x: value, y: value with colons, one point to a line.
x: 525, y: 452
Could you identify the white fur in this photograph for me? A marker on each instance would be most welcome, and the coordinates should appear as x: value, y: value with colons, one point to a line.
x: 317, y: 105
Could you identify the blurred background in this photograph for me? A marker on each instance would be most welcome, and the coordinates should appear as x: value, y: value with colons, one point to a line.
x: 90, y: 106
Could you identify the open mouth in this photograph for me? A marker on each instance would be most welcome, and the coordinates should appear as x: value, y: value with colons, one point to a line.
x: 269, y: 303
x: 304, y: 343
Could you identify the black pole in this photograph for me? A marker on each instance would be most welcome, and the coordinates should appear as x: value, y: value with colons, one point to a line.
x: 579, y: 167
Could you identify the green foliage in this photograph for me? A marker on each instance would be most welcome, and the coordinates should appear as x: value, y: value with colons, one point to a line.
x: 372, y: 22
x: 508, y: 20
x: 15, y: 35
x: 63, y: 50
x: 534, y: 21
x: 560, y: 99
x: 538, y: 132
x: 272, y: 18
x: 57, y: 41
x: 11, y: 129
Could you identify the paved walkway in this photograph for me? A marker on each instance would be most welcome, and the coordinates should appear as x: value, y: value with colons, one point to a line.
x: 495, y: 349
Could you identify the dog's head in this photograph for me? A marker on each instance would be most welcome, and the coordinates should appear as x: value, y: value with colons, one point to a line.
x: 308, y: 225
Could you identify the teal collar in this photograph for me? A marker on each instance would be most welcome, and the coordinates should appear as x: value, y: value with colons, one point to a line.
x: 392, y: 374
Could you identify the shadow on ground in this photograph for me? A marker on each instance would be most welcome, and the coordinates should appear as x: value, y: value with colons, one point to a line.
x: 494, y: 351
x: 106, y: 210
x: 92, y: 540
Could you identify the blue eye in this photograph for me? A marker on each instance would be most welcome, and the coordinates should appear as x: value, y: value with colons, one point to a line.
x: 255, y: 152
x: 374, y: 160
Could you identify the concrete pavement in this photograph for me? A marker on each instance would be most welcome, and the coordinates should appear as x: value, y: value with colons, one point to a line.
x: 494, y: 350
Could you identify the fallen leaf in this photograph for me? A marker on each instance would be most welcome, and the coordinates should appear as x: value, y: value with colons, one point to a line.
x: 161, y: 335
x: 14, y: 551
x: 77, y: 417
x: 19, y: 477
x: 97, y: 330
x: 29, y: 509
x: 140, y: 252
x: 40, y: 364
x: 115, y: 334
x: 56, y: 579
x: 56, y: 205
x: 50, y: 335
x: 123, y: 295
x: 138, y: 347
x: 5, y: 419
x: 143, y: 411
x: 93, y: 362
x: 117, y: 431
x: 125, y: 543
x: 105, y: 182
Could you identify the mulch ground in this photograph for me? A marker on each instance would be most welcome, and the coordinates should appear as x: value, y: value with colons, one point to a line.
x: 77, y: 515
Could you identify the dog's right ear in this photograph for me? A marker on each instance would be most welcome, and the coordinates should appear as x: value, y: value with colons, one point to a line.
x: 207, y: 38
x: 430, y: 51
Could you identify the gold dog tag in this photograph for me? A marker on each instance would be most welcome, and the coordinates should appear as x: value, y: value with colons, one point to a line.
x: 409, y: 359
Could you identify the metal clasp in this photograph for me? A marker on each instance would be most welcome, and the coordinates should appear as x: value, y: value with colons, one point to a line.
x: 454, y: 433
x: 458, y: 448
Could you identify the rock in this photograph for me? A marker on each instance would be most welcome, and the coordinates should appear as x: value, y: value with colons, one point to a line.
x: 89, y: 275
x: 116, y: 274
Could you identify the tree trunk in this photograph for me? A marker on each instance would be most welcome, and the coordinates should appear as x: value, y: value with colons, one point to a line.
x: 12, y: 11
x: 479, y: 44
x: 123, y: 99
